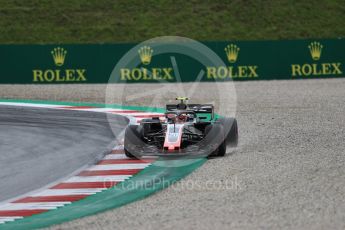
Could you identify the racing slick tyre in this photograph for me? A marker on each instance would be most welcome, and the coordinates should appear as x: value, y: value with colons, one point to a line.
x: 133, y: 139
x: 230, y: 126
x: 216, y: 131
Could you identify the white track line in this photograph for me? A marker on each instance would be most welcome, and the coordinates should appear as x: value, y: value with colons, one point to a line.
x: 115, y: 156
x: 119, y: 147
x: 101, y: 110
x: 118, y: 156
x: 118, y: 166
x: 65, y: 192
x: 31, y: 105
x: 9, y: 218
x: 116, y: 178
x: 33, y: 206
x: 138, y: 114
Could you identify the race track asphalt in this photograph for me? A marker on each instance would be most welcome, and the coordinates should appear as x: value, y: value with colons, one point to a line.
x: 39, y: 146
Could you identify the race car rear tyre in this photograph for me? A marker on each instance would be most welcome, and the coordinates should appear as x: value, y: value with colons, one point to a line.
x: 222, y: 149
x: 230, y: 126
x: 216, y: 132
x: 133, y: 139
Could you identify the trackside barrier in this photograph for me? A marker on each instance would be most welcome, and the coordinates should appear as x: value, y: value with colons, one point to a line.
x: 243, y: 60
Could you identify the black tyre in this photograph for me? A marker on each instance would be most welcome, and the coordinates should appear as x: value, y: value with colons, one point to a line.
x: 216, y: 133
x: 222, y: 149
x: 231, y: 130
x: 133, y: 140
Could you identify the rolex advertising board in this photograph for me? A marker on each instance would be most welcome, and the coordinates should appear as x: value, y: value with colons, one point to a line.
x: 242, y: 60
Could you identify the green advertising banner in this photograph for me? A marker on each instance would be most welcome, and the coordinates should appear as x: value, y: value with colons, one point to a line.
x: 137, y: 63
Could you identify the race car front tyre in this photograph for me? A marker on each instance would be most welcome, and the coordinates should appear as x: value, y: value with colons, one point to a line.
x: 216, y: 131
x: 133, y: 139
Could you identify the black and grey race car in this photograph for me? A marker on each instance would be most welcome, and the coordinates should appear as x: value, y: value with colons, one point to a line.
x: 187, y: 130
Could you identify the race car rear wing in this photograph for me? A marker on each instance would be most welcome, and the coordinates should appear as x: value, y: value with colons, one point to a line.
x: 197, y: 108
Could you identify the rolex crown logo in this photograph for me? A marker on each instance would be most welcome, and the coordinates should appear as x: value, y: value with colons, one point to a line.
x: 145, y: 54
x: 232, y: 51
x: 315, y: 49
x: 59, y: 55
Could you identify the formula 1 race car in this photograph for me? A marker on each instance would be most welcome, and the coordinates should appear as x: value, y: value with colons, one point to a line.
x: 186, y: 130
